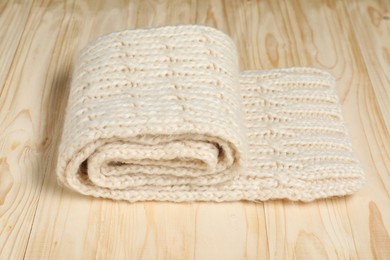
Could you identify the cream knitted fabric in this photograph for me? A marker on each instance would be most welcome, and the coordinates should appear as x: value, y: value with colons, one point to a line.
x: 164, y: 114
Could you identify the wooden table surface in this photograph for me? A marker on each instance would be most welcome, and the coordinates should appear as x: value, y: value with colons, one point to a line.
x: 39, y: 41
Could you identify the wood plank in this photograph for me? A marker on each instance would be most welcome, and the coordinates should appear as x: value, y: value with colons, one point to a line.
x: 26, y: 51
x: 35, y: 82
x: 371, y: 24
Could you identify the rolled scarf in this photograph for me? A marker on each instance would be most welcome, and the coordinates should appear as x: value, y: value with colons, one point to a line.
x: 165, y: 114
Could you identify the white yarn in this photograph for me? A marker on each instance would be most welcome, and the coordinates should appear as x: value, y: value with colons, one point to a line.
x: 164, y: 114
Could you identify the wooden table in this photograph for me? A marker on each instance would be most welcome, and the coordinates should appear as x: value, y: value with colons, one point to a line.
x: 39, y: 41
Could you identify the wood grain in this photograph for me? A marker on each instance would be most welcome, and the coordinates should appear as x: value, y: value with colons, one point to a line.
x: 39, y: 41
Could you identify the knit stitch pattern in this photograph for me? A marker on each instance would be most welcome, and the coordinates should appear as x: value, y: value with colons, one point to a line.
x: 164, y: 114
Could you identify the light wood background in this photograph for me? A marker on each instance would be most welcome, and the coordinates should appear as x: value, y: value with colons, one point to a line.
x: 39, y: 41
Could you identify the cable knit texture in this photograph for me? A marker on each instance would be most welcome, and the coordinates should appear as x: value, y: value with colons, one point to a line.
x: 164, y: 114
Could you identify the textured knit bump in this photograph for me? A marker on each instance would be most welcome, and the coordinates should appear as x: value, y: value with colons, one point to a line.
x: 164, y: 114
